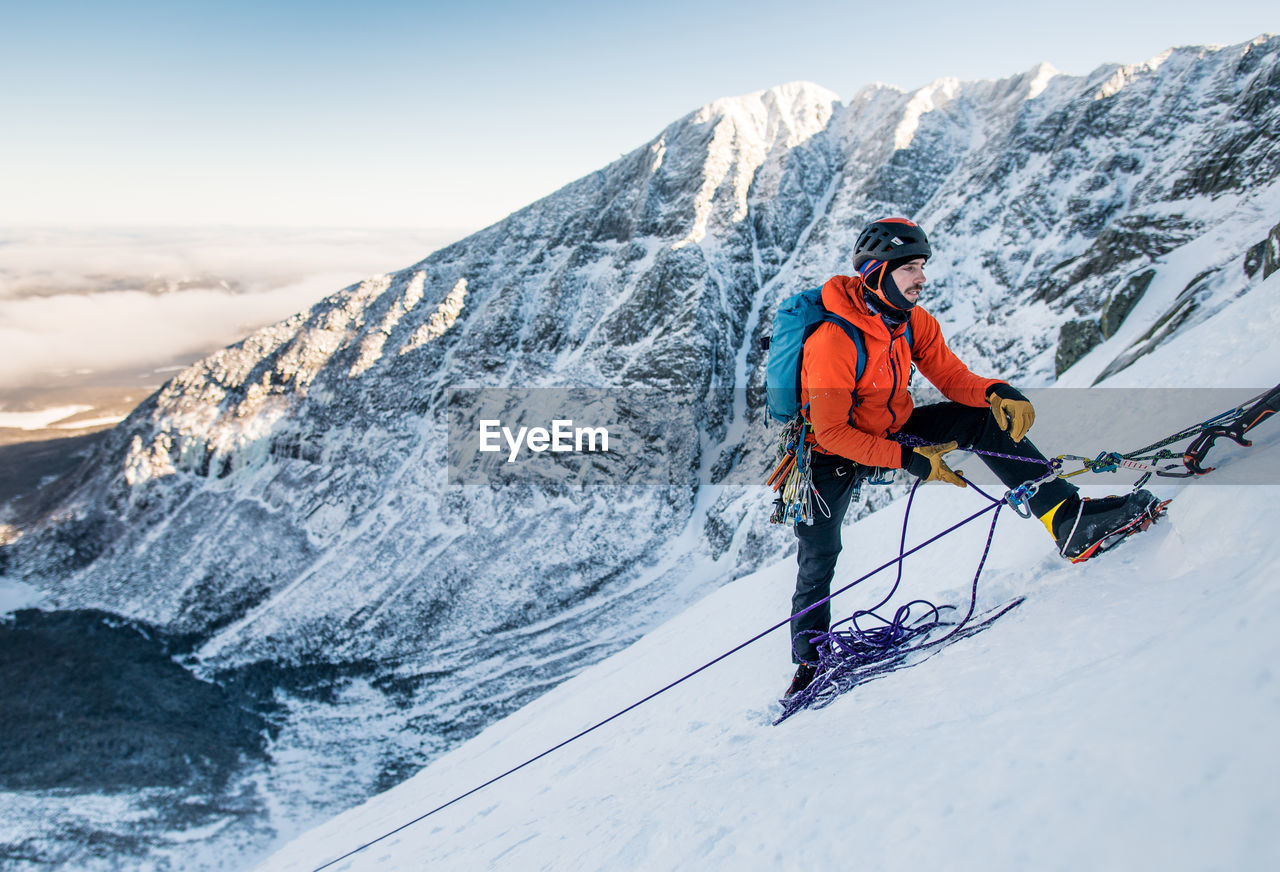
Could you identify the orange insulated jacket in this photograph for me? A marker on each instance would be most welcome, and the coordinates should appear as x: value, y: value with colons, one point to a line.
x: 852, y: 420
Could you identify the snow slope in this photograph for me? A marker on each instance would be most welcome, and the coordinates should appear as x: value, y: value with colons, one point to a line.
x: 1122, y: 717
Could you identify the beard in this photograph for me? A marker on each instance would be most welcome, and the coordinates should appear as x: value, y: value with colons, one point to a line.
x: 890, y: 294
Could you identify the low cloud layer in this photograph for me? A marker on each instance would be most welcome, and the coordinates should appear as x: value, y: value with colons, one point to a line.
x: 74, y: 305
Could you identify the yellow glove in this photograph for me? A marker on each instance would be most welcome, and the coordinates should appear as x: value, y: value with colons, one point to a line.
x: 1013, y: 411
x: 927, y: 463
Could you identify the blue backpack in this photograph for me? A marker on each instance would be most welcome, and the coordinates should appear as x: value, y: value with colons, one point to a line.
x: 797, y: 317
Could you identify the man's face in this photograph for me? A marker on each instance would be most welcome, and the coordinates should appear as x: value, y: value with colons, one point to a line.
x: 910, y: 278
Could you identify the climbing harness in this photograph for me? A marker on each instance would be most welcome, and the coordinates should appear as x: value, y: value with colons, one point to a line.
x: 798, y: 500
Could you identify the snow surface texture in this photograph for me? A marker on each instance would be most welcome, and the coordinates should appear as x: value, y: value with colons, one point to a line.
x: 284, y: 501
x: 1121, y: 718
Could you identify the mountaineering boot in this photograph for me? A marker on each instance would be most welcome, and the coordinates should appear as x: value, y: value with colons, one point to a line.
x: 1084, y: 527
x: 804, y: 676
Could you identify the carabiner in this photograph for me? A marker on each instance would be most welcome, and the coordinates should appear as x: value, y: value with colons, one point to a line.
x: 1019, y: 499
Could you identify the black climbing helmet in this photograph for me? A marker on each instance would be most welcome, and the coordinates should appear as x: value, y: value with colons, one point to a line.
x: 890, y: 239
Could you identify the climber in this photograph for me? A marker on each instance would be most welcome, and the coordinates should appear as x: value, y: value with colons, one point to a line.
x: 853, y: 419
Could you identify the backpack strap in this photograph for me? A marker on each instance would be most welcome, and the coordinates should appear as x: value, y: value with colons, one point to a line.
x: 855, y: 336
x: 860, y: 348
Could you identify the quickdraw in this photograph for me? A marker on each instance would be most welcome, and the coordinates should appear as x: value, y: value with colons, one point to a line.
x: 1114, y: 461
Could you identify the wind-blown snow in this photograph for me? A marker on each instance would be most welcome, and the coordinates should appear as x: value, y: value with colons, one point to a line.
x: 1122, y: 717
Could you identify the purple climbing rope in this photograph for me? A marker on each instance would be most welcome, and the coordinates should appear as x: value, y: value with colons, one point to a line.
x: 852, y: 656
x: 916, y: 442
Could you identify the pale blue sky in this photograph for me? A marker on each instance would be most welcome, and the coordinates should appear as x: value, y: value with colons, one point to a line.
x: 453, y: 115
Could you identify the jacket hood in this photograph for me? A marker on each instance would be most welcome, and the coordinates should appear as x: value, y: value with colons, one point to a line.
x: 842, y: 295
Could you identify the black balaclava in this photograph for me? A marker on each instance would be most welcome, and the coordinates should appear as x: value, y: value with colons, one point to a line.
x: 881, y: 291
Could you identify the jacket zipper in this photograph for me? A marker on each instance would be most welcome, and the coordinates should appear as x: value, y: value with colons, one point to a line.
x: 893, y: 367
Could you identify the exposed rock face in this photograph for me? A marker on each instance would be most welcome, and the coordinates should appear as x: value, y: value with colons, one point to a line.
x: 1075, y: 340
x: 1122, y: 300
x: 1264, y: 256
x: 285, y: 500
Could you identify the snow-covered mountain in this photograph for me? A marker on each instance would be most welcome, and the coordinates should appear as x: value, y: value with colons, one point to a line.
x: 284, y: 507
x: 1120, y: 717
